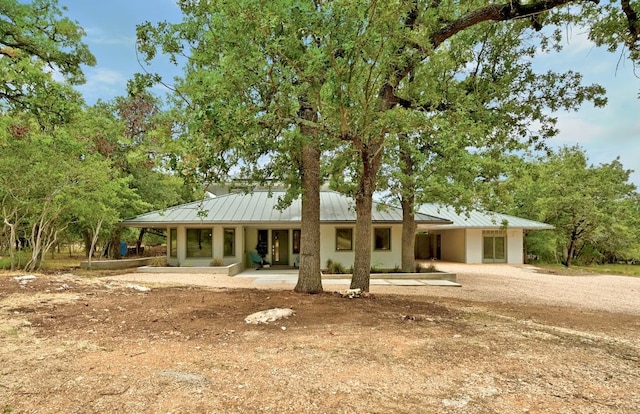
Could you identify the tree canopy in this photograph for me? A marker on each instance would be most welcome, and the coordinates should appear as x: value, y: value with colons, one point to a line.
x: 350, y: 80
x: 593, y: 207
x: 38, y: 45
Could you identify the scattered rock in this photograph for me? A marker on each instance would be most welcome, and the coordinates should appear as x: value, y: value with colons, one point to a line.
x: 23, y: 280
x: 185, y: 377
x: 456, y: 402
x: 269, y: 315
x: 139, y: 288
x: 352, y: 293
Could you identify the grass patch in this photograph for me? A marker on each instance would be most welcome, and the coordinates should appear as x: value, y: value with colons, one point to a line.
x: 614, y: 269
x: 596, y: 269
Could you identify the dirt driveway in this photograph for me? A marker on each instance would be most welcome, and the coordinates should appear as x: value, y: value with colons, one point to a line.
x: 509, y: 340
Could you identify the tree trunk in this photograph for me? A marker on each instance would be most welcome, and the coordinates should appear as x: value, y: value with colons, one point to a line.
x: 94, y: 240
x: 12, y: 243
x: 570, y: 252
x: 576, y: 233
x: 139, y: 241
x: 408, y: 235
x: 114, y: 251
x: 86, y: 238
x: 371, y: 156
x: 408, y: 205
x: 362, y: 245
x: 309, y: 276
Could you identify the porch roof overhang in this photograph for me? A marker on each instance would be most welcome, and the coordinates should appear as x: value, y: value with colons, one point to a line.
x: 477, y: 219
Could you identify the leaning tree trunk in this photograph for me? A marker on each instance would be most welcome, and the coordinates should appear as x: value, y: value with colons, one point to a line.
x: 309, y: 276
x: 571, y: 250
x: 576, y: 232
x: 139, y: 241
x: 12, y: 243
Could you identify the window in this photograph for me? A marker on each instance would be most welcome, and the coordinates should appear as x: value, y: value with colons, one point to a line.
x: 494, y: 246
x: 229, y: 242
x: 173, y: 242
x: 344, y: 239
x: 382, y: 239
x: 296, y: 241
x: 199, y: 242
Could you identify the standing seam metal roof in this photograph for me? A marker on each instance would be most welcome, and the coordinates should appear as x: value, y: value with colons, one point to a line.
x: 481, y: 219
x: 236, y: 208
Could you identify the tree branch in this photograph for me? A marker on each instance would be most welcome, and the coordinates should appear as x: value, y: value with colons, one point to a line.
x: 510, y: 10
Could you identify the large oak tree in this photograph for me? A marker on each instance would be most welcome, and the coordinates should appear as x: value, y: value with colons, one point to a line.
x: 264, y: 81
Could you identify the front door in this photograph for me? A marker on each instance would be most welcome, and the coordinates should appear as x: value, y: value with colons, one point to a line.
x: 494, y: 249
x: 280, y: 247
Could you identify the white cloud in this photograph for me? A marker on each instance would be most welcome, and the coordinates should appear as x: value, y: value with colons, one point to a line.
x: 104, y: 76
x: 576, y: 129
x: 102, y: 83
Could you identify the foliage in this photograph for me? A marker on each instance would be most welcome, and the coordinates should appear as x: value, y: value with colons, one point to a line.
x: 431, y: 268
x: 264, y: 80
x: 479, y: 101
x: 38, y: 45
x: 335, y: 268
x: 594, y: 208
x: 51, y: 182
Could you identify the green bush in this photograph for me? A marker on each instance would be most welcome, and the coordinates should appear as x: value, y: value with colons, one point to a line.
x: 22, y: 257
x: 335, y: 268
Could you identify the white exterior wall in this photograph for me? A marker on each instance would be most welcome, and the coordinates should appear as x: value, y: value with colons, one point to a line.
x: 457, y: 245
x: 515, y: 246
x: 328, y: 246
x: 474, y: 242
x: 387, y: 259
x: 217, y: 247
x: 453, y: 246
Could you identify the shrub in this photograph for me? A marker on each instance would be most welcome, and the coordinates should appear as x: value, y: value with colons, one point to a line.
x: 335, y: 267
x: 428, y: 269
x: 158, y: 261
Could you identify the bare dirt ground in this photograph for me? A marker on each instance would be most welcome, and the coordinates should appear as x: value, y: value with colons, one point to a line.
x: 509, y: 340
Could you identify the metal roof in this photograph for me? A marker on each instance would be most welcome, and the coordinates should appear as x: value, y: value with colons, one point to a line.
x: 260, y: 207
x: 480, y: 219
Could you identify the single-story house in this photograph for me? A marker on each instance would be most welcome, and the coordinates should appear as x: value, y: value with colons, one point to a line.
x: 230, y: 228
x: 473, y: 236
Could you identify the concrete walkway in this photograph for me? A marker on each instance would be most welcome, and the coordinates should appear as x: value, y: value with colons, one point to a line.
x: 290, y: 276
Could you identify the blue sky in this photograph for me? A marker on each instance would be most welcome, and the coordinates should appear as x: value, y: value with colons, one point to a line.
x: 605, y: 133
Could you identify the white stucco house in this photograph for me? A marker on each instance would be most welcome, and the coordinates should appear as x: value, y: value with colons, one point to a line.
x: 228, y: 228
x: 473, y: 236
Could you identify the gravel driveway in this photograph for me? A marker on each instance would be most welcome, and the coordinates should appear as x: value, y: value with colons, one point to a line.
x: 484, y: 283
x: 522, y: 284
